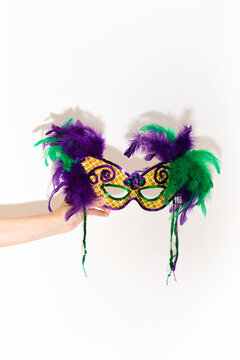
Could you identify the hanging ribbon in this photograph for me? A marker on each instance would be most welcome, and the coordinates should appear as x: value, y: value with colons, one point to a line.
x: 174, y: 232
x: 84, y: 238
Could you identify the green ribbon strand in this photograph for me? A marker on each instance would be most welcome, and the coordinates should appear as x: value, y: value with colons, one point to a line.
x: 173, y: 254
x: 84, y: 238
x: 171, y: 249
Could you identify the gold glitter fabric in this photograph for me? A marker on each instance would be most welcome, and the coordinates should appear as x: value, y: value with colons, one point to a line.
x: 104, y: 175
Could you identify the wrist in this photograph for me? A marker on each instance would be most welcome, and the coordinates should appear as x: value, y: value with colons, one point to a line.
x: 56, y: 223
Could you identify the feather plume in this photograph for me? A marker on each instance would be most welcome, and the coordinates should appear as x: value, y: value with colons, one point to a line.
x: 190, y: 176
x: 66, y: 146
x: 191, y: 180
x: 155, y: 141
x: 158, y: 128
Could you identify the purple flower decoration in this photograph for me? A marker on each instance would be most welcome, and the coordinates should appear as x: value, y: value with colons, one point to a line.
x: 134, y: 181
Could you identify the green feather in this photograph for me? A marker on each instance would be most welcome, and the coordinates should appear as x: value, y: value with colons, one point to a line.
x: 57, y: 153
x: 68, y: 121
x: 206, y: 156
x: 53, y: 139
x: 46, y: 140
x: 157, y: 129
x: 191, y: 172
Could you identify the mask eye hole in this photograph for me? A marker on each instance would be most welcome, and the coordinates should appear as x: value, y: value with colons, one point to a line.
x: 151, y: 193
x: 115, y: 192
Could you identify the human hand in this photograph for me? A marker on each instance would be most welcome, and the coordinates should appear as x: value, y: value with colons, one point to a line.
x: 96, y: 209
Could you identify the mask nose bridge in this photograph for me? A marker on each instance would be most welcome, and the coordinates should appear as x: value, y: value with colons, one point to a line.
x: 134, y: 194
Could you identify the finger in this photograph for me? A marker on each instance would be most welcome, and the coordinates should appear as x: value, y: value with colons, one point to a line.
x: 97, y: 212
x: 99, y: 201
x: 103, y: 208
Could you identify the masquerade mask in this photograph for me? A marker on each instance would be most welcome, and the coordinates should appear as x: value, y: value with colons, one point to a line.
x: 105, y: 175
x: 181, y: 177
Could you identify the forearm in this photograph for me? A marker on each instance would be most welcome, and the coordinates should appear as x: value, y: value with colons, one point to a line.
x: 23, y: 229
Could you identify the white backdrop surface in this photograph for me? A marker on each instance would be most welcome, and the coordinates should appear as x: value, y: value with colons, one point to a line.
x: 117, y: 65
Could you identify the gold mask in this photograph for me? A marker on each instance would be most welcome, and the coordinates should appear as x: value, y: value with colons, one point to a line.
x: 104, y: 175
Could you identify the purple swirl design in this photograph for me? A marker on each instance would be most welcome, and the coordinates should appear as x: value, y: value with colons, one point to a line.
x: 107, y: 174
x: 92, y: 173
x: 161, y: 175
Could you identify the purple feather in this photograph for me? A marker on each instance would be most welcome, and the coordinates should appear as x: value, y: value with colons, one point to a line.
x: 183, y: 142
x: 151, y: 143
x: 135, y: 145
x: 183, y: 198
x: 149, y: 157
x: 157, y: 144
x: 183, y: 214
x: 78, y: 189
x: 77, y: 141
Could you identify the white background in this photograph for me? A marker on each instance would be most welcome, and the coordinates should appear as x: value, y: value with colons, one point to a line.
x: 117, y: 65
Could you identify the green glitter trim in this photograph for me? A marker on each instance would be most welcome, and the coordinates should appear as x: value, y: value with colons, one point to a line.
x: 150, y: 187
x: 117, y: 186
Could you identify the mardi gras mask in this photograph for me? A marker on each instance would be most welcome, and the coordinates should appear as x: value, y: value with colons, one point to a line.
x: 182, y: 176
x: 105, y: 175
